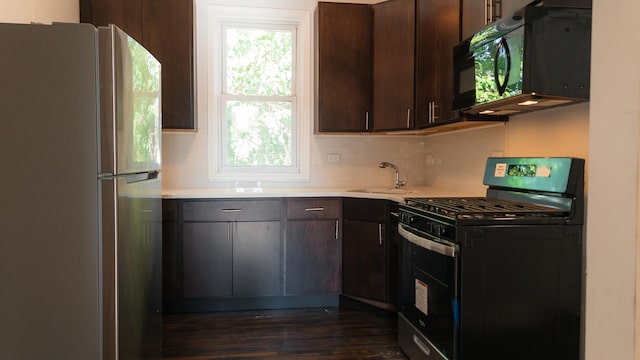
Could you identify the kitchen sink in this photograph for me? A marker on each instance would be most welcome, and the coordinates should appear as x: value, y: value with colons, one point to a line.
x: 382, y: 191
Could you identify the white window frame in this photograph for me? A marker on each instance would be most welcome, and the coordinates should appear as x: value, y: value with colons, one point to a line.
x: 211, y: 18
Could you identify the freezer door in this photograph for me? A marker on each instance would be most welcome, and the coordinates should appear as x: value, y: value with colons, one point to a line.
x: 132, y: 271
x: 130, y: 104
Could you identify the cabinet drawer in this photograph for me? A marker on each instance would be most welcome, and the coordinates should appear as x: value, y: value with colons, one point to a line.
x: 231, y: 210
x: 374, y: 210
x: 313, y: 209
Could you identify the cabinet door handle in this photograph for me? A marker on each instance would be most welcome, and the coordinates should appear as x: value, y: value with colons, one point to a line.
x: 433, y: 111
x: 408, y: 118
x: 337, y: 230
x: 366, y: 120
x: 231, y: 210
x: 490, y: 13
x: 320, y: 208
x: 486, y: 12
x: 380, y: 237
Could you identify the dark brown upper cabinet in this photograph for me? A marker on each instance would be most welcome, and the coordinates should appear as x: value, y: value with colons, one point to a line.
x: 344, y: 67
x: 401, y: 57
x: 437, y: 32
x: 165, y: 28
x: 393, y: 64
x: 477, y: 14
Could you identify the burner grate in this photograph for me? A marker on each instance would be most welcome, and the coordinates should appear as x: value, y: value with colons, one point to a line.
x: 459, y: 206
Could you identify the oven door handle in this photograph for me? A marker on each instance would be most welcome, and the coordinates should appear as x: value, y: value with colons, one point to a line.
x: 428, y: 244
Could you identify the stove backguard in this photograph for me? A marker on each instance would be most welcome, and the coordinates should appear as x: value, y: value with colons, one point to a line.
x: 554, y: 182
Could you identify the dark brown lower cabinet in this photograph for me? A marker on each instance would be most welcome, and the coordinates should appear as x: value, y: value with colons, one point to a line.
x: 237, y: 254
x: 231, y: 259
x: 312, y: 260
x: 171, y: 277
x: 368, y: 249
x: 364, y: 260
x: 257, y: 259
x: 272, y: 253
x: 207, y: 253
x: 313, y: 257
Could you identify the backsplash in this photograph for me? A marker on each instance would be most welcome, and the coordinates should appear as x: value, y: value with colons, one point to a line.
x: 452, y: 161
x: 423, y: 160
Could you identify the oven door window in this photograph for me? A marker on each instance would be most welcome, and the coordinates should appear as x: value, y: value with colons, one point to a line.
x: 428, y: 296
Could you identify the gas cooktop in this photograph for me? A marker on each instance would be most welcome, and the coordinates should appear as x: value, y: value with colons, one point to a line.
x: 481, y: 207
x: 521, y: 190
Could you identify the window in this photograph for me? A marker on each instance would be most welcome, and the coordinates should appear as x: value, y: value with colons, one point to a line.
x: 254, y: 76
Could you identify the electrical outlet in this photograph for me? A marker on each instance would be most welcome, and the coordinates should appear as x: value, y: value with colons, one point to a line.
x: 333, y: 158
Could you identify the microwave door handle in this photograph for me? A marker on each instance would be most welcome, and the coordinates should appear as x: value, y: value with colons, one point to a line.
x: 502, y: 51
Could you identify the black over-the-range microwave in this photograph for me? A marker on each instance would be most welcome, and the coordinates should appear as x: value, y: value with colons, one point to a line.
x: 536, y: 58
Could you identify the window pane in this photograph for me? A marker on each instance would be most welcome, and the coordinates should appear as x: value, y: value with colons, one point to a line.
x: 259, y: 133
x: 259, y: 62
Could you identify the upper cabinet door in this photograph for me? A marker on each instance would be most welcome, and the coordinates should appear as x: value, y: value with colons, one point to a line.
x: 124, y: 14
x: 477, y: 14
x: 168, y: 34
x: 344, y: 67
x: 393, y: 64
x: 437, y: 32
x: 165, y: 28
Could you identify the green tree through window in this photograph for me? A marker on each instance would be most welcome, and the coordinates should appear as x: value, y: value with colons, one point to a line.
x: 258, y: 96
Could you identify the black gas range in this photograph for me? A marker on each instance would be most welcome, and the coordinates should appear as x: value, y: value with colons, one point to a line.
x: 498, y: 276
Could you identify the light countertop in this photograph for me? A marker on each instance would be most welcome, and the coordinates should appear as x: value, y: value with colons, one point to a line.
x: 364, y: 192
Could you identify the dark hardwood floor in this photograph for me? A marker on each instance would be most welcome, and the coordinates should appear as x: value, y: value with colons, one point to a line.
x: 351, y: 331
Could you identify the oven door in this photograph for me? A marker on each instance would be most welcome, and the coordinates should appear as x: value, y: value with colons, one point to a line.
x: 428, y: 305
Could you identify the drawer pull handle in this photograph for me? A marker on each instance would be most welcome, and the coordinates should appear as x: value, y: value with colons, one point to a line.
x: 231, y: 210
x: 315, y: 209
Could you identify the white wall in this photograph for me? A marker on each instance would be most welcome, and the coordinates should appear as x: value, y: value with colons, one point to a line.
x: 43, y: 11
x: 612, y: 237
x: 562, y: 131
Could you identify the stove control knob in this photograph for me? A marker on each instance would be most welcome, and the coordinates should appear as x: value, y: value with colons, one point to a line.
x: 407, y: 218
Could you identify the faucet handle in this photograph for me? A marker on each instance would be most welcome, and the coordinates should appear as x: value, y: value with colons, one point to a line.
x: 400, y: 183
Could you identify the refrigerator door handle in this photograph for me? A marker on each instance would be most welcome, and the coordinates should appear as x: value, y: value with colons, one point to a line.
x: 133, y: 178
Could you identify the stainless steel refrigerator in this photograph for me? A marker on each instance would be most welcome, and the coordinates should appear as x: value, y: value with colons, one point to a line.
x: 80, y: 193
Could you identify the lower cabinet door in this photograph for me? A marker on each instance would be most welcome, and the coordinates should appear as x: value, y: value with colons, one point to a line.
x: 224, y: 259
x: 312, y: 257
x: 364, y: 260
x: 207, y: 260
x: 257, y: 258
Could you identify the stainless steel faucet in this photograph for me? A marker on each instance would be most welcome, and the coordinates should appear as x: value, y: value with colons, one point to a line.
x: 398, y: 183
